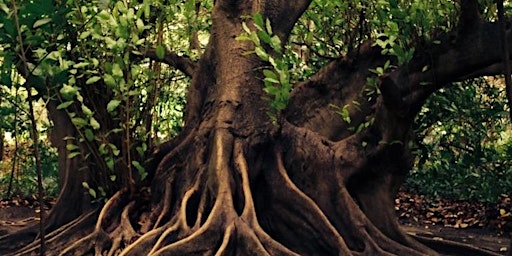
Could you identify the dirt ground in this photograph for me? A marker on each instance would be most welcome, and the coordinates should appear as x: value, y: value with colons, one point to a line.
x: 477, y: 237
x: 13, y: 218
x: 17, y: 213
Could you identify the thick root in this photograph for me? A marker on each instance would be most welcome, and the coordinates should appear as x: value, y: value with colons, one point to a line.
x: 223, y: 206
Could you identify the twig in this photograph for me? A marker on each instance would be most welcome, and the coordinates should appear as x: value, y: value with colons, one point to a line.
x: 15, y: 156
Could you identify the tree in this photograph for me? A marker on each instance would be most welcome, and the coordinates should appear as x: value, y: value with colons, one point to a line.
x: 259, y: 168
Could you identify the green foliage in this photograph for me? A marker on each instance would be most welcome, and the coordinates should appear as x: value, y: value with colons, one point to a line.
x: 464, y: 143
x: 25, y: 176
x: 83, y: 55
x: 268, y: 47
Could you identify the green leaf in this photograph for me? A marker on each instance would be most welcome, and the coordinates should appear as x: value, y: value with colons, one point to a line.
x: 243, y: 37
x: 269, y: 27
x: 275, y: 43
x: 269, y: 74
x: 4, y: 7
x: 81, y: 65
x: 94, y: 123
x: 246, y: 28
x: 92, y: 80
x: 103, y: 4
x: 102, y: 149
x: 92, y: 192
x: 87, y: 111
x: 64, y: 105
x: 255, y: 39
x: 271, y: 80
x: 9, y: 27
x: 261, y: 53
x: 117, y: 71
x: 147, y: 11
x: 104, y: 15
x: 85, y: 185
x: 110, y: 163
x: 258, y: 21
x: 283, y: 77
x: 112, y: 105
x: 79, y: 122
x: 272, y: 90
x: 142, y: 149
x: 73, y: 155
x: 111, y: 43
x: 140, y: 25
x: 273, y: 62
x: 41, y: 22
x: 85, y: 34
x: 68, y: 92
x: 71, y: 147
x: 109, y: 80
x: 142, y: 172
x: 160, y: 51
x: 264, y: 36
x: 115, y: 151
x: 89, y: 135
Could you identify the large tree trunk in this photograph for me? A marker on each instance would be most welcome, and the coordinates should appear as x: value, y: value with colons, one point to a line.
x: 235, y: 183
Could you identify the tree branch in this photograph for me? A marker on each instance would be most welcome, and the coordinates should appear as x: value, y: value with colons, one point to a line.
x: 457, y: 57
x: 473, y: 54
x: 469, y: 15
x: 342, y: 84
x: 182, y: 63
x: 283, y: 14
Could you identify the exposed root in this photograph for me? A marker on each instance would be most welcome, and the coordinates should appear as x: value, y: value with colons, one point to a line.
x: 224, y: 248
x: 63, y: 236
x: 225, y: 207
x: 124, y: 234
x: 166, y: 154
x: 148, y: 241
x: 224, y: 232
x: 112, y: 232
x: 10, y: 242
x: 349, y: 222
x: 166, y: 206
x: 249, y: 212
x: 293, y: 215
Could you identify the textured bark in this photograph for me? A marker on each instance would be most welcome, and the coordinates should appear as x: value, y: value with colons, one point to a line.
x: 234, y: 183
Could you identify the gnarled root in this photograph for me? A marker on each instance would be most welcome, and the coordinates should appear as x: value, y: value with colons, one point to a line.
x: 213, y: 203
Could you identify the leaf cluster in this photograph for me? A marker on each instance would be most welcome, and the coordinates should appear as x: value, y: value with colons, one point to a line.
x: 268, y: 47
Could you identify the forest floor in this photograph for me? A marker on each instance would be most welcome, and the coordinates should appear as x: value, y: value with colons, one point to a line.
x: 486, y: 226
